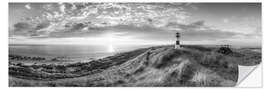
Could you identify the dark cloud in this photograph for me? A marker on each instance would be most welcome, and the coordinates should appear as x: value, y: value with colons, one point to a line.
x: 27, y: 29
x: 22, y: 29
x: 197, y: 24
x: 78, y: 26
x: 22, y: 26
x: 89, y: 28
x: 42, y: 25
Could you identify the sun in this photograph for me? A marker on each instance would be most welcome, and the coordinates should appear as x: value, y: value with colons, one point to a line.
x: 110, y: 44
x: 111, y: 48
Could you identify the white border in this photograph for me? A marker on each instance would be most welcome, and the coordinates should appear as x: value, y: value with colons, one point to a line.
x: 4, y: 40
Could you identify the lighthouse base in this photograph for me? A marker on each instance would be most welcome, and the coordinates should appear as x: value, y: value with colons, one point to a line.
x: 177, y: 47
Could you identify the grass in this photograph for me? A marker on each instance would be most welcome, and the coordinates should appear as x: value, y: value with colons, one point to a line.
x: 53, y: 71
x: 204, y: 67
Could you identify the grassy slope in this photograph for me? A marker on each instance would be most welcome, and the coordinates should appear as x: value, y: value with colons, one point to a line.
x: 156, y: 66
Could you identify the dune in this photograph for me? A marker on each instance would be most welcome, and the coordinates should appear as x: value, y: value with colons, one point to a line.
x: 192, y: 66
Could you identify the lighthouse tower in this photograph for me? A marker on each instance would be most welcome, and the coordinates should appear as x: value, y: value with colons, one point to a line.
x: 177, y: 44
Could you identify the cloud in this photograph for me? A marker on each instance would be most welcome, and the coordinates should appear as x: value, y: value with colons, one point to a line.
x: 207, y: 34
x: 22, y: 26
x: 199, y: 31
x: 27, y: 6
x: 144, y: 21
x: 22, y: 29
x: 189, y: 32
x: 28, y: 29
x: 187, y: 26
x: 62, y: 8
x: 226, y: 20
x: 194, y: 31
x: 77, y: 26
x: 83, y: 17
x: 42, y: 25
x: 115, y: 13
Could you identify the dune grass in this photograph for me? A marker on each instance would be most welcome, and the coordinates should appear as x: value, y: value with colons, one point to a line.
x: 155, y: 66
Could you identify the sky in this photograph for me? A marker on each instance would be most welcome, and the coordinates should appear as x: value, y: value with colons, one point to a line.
x: 135, y: 23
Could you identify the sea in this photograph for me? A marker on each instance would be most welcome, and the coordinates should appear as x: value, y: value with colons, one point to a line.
x: 89, y: 51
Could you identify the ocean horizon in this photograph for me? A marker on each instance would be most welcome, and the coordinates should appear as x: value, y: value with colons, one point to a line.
x: 90, y: 51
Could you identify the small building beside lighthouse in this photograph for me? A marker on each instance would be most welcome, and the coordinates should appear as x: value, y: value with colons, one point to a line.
x: 177, y: 43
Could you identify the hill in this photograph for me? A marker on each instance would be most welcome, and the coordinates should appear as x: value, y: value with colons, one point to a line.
x: 155, y: 66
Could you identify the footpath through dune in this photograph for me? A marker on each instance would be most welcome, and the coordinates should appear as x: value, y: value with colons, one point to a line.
x: 167, y: 67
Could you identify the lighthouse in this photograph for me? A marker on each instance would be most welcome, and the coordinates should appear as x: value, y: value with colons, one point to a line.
x: 177, y: 43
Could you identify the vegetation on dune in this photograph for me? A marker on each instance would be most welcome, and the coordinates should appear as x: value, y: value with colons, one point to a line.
x: 215, y: 62
x: 19, y: 57
x: 53, y: 71
x: 155, y: 66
